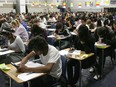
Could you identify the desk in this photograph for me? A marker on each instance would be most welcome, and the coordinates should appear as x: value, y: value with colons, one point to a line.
x: 13, y: 74
x: 102, y: 47
x: 80, y: 57
x: 5, y: 51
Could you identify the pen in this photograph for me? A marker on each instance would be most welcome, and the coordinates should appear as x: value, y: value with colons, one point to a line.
x: 29, y: 73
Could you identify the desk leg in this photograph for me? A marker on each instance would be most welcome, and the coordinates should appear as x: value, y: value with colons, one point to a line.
x: 28, y: 83
x: 80, y: 79
x: 102, y: 65
x: 59, y: 45
x: 10, y: 82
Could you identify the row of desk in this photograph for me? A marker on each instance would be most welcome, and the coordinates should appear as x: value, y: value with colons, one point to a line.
x: 12, y: 73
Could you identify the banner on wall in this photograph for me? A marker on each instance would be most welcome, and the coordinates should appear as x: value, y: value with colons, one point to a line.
x: 79, y: 4
x: 105, y: 2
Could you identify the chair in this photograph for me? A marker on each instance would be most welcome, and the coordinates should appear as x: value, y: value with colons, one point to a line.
x: 62, y: 82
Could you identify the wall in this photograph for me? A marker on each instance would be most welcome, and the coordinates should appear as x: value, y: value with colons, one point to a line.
x: 32, y: 9
x: 92, y: 8
x: 6, y: 8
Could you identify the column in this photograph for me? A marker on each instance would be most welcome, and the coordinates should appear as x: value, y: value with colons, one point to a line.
x: 21, y: 8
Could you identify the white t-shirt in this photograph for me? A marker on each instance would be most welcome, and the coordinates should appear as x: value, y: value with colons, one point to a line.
x: 17, y: 45
x: 53, y: 56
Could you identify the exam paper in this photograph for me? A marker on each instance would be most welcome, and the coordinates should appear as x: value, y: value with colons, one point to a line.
x: 30, y: 75
x: 7, y: 52
x: 27, y: 76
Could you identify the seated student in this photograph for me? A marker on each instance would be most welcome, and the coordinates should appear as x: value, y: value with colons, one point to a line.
x: 84, y: 42
x: 37, y: 30
x: 20, y: 30
x: 106, y: 36
x: 15, y: 43
x: 64, y: 43
x: 49, y: 56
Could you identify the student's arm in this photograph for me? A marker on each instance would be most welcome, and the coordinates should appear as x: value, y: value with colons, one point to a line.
x: 26, y: 58
x: 41, y: 69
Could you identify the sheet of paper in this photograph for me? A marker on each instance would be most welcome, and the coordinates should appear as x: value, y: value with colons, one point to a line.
x: 77, y: 52
x: 7, y: 52
x: 27, y: 76
x: 30, y: 75
x: 4, y: 49
x: 100, y: 44
x: 63, y: 52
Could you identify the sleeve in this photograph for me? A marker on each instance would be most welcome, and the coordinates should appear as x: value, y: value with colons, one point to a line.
x: 54, y: 56
x: 20, y: 44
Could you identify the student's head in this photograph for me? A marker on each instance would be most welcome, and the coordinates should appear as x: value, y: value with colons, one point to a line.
x: 83, y: 32
x: 15, y: 23
x: 39, y: 45
x: 59, y: 26
x: 103, y: 32
x: 36, y: 30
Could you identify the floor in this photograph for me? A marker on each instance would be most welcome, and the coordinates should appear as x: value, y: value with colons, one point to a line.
x: 108, y: 80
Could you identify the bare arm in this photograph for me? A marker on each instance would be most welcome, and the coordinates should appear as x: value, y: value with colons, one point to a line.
x: 43, y: 69
x: 26, y: 58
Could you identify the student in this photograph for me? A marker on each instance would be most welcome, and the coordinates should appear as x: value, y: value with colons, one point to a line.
x: 15, y: 43
x: 84, y: 42
x: 20, y: 30
x: 37, y: 30
x: 105, y: 36
x: 64, y: 43
x: 49, y: 56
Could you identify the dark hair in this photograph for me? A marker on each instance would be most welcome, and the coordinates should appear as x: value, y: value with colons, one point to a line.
x: 103, y: 31
x: 99, y: 23
x: 59, y: 26
x: 36, y: 30
x: 83, y: 32
x: 38, y: 43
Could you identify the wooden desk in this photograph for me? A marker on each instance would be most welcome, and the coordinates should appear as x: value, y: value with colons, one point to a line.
x: 12, y: 73
x: 102, y: 47
x: 80, y: 57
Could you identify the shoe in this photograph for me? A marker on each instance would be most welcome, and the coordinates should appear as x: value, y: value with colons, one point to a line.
x: 96, y: 77
x: 91, y: 70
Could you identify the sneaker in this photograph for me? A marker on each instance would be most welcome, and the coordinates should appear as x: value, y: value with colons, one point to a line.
x: 96, y: 77
x: 91, y: 70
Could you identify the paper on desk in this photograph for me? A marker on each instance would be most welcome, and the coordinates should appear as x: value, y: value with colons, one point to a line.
x: 100, y: 44
x: 27, y: 76
x: 76, y: 52
x: 63, y: 52
x: 4, y: 49
x: 7, y: 52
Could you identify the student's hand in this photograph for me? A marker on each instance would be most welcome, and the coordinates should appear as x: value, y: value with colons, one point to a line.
x: 22, y: 68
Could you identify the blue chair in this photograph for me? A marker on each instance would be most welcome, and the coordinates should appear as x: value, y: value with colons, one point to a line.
x: 62, y: 82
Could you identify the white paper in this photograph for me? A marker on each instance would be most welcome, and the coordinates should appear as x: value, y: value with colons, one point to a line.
x: 27, y: 76
x: 6, y: 52
x: 30, y: 75
x: 100, y: 44
x: 4, y: 49
x: 76, y: 52
x: 63, y: 52
x: 51, y: 36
